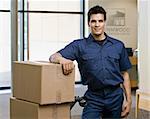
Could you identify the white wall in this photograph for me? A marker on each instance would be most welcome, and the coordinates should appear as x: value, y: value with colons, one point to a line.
x: 144, y: 45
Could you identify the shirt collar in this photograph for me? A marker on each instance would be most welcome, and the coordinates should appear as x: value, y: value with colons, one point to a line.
x: 91, y: 38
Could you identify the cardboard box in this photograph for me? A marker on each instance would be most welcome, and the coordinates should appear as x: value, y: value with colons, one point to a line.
x: 42, y: 82
x: 20, y: 109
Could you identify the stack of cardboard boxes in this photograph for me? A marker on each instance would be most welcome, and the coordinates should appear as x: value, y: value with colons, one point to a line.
x: 41, y: 91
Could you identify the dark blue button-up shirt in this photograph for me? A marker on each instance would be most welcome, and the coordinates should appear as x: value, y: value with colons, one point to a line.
x: 100, y: 65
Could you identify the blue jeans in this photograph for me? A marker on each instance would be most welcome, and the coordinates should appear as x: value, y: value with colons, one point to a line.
x: 106, y: 104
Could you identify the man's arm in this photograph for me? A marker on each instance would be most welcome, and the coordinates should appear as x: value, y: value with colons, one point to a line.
x: 67, y: 64
x: 127, y: 91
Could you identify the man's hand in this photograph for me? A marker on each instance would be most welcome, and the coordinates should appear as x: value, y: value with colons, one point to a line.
x: 67, y: 65
x: 126, y: 109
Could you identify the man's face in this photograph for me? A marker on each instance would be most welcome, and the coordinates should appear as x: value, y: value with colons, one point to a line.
x: 97, y: 24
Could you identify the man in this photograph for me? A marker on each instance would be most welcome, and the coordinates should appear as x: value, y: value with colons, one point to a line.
x: 103, y: 63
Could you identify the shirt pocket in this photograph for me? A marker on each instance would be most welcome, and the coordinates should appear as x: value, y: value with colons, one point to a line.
x: 89, y: 61
x: 113, y: 60
x: 113, y: 57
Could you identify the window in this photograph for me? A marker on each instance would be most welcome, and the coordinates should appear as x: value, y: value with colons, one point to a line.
x: 5, y: 46
x: 48, y: 26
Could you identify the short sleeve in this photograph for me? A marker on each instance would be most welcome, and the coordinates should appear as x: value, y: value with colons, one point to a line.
x: 125, y: 63
x: 71, y: 51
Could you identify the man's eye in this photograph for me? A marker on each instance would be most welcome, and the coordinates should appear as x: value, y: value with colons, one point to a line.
x: 93, y: 21
x: 100, y: 21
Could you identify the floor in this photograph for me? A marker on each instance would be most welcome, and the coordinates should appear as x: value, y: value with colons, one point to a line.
x: 4, y: 108
x: 5, y: 79
x: 4, y: 104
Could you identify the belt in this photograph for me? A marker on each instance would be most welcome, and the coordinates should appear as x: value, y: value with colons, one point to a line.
x: 108, y: 88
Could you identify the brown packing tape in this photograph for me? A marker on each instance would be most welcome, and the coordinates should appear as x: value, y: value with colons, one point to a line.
x: 58, y: 96
x: 54, y: 112
x: 60, y: 74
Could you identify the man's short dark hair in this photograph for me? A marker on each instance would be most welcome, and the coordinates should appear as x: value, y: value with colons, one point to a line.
x: 95, y: 10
